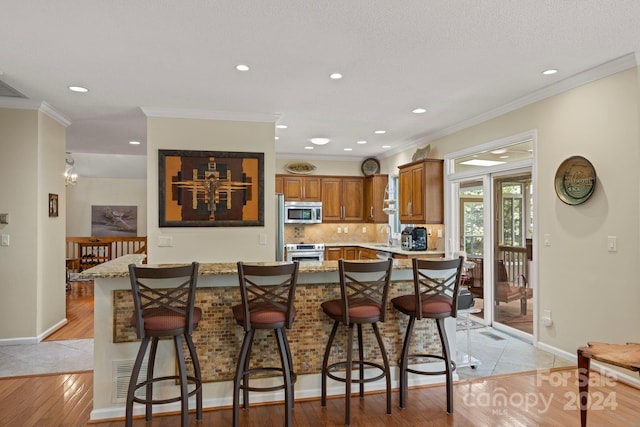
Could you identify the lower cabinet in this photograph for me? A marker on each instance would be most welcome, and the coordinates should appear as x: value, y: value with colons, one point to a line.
x: 345, y: 252
x: 365, y: 253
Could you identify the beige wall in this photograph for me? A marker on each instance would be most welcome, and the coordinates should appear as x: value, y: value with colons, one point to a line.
x: 101, y: 191
x: 32, y: 266
x: 592, y: 294
x: 210, y: 244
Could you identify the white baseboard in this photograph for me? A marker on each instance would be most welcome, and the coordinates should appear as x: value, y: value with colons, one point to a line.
x: 306, y: 387
x: 602, y: 368
x: 34, y: 340
x: 52, y: 329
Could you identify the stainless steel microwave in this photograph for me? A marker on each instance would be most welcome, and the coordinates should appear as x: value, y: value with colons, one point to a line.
x: 302, y: 212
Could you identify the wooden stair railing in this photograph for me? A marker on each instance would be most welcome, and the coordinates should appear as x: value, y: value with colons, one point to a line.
x: 91, y: 251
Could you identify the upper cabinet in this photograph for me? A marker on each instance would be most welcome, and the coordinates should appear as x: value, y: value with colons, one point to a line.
x: 301, y: 188
x: 342, y: 199
x: 374, y: 194
x: 421, y: 192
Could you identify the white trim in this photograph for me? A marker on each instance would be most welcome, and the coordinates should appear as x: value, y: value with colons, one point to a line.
x: 598, y: 72
x: 604, y: 369
x: 19, y: 341
x: 210, y: 115
x: 47, y: 109
x: 19, y: 103
x: 52, y: 329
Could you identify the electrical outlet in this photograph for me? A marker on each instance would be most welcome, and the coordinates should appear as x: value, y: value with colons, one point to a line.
x: 346, y: 230
x: 547, y: 239
x: 263, y: 238
x: 4, y: 240
x: 339, y: 230
x: 364, y: 229
x: 440, y: 233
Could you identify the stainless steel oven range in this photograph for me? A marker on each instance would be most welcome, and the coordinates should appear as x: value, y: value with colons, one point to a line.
x: 305, y: 252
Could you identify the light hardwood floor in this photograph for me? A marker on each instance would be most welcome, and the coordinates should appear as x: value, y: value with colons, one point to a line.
x: 528, y: 399
x: 79, y: 313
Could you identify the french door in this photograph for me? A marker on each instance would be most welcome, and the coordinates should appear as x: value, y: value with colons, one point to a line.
x: 491, y: 212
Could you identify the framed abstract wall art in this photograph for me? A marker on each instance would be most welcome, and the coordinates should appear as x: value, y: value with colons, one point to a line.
x: 210, y: 188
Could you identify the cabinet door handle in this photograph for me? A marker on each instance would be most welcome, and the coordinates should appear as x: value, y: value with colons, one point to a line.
x: 410, y: 208
x: 371, y: 212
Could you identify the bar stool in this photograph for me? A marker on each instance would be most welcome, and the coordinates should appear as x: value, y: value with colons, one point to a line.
x: 364, y: 287
x: 164, y: 307
x: 435, y: 296
x: 268, y: 294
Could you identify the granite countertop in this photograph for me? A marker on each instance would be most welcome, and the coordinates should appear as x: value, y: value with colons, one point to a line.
x: 119, y: 267
x: 385, y: 248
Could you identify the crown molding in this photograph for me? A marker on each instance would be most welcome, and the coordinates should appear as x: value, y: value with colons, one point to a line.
x: 209, y: 115
x: 596, y: 73
x: 43, y: 107
x: 19, y: 103
x: 56, y: 115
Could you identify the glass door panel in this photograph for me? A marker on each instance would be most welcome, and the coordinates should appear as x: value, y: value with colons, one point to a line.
x: 512, y: 292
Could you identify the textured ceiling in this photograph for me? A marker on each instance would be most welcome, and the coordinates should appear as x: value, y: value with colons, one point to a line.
x: 457, y: 59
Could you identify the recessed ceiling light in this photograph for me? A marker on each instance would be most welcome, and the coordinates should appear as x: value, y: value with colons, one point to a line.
x: 380, y: 132
x: 504, y: 157
x: 281, y: 126
x: 549, y: 71
x: 78, y: 89
x: 386, y: 146
x: 361, y: 142
x: 134, y: 142
x: 319, y: 141
x: 348, y: 149
x: 308, y: 147
x: 419, y: 111
x: 499, y: 151
x: 336, y: 76
x: 277, y: 138
x: 242, y: 67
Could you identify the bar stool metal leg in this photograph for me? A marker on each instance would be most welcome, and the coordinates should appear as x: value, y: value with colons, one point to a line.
x: 325, y: 363
x: 447, y: 363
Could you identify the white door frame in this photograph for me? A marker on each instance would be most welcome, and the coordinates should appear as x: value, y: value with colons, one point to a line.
x: 452, y: 216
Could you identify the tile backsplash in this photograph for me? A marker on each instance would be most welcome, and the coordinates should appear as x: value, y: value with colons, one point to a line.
x: 352, y: 233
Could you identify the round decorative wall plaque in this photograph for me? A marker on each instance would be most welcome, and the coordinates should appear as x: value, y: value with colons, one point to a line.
x: 370, y: 166
x: 575, y: 180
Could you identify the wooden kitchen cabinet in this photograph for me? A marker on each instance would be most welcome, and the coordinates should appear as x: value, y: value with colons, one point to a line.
x: 342, y: 199
x: 279, y: 184
x: 345, y: 252
x: 421, y: 192
x: 373, y: 195
x: 366, y: 253
x: 302, y: 188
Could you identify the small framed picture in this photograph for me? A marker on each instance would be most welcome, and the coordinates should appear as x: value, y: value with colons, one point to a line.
x: 53, y: 204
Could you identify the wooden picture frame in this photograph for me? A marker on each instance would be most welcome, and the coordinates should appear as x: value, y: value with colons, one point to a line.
x: 53, y: 205
x: 210, y: 188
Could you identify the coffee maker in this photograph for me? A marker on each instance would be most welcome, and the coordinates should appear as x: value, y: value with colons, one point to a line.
x: 419, y: 239
x: 407, y: 238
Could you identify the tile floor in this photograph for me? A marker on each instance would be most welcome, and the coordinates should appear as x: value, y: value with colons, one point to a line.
x: 500, y: 353
x: 46, y: 357
x: 497, y: 353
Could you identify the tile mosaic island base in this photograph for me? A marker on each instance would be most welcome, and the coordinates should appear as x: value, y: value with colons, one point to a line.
x: 218, y: 337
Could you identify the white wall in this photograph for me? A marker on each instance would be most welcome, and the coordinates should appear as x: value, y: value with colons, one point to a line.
x: 592, y: 294
x: 210, y: 244
x: 32, y: 281
x: 51, y: 298
x: 103, y: 191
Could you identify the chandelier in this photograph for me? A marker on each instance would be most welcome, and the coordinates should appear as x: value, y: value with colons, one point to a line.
x: 70, y: 177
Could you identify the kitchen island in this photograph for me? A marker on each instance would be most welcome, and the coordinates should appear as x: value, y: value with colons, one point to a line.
x: 218, y: 337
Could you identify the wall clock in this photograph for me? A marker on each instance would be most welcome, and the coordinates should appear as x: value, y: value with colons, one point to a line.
x: 370, y: 166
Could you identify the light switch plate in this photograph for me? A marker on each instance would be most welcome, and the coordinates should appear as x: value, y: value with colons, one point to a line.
x: 4, y: 240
